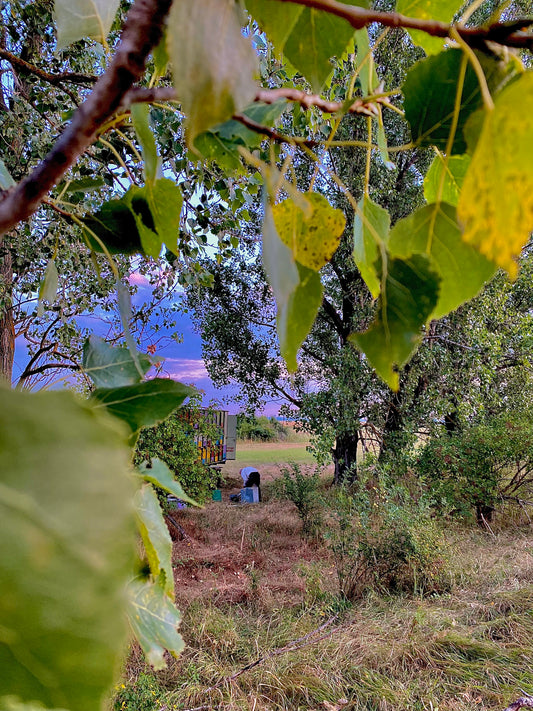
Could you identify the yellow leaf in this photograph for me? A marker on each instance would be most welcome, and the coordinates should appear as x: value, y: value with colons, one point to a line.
x: 312, y: 231
x: 496, y: 202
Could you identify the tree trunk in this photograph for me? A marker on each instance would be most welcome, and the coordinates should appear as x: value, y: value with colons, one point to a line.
x: 345, y: 457
x: 7, y: 327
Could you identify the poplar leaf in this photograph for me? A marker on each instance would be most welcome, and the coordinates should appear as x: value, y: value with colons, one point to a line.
x: 410, y: 296
x: 496, y: 203
x: 112, y: 366
x: 312, y: 234
x: 371, y: 227
x: 155, y: 535
x: 6, y: 181
x: 452, y: 174
x: 140, y: 115
x: 76, y: 19
x: 48, y: 289
x: 66, y: 549
x: 430, y: 91
x: 433, y: 229
x: 160, y: 476
x: 365, y: 63
x: 441, y: 10
x: 275, y: 18
x: 213, y: 63
x: 154, y: 620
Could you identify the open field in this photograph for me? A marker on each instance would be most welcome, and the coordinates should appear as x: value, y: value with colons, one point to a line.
x: 252, y: 588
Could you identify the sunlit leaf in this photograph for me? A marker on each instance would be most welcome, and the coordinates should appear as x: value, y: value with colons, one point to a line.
x: 155, y: 535
x: 213, y: 63
x: 48, y: 289
x: 112, y: 366
x: 76, y: 19
x: 430, y: 91
x: 371, y: 228
x: 140, y: 114
x: 84, y: 185
x: 434, y: 230
x: 66, y: 549
x: 161, y: 58
x: 441, y: 10
x: 496, y: 203
x: 451, y: 174
x: 276, y: 19
x: 295, y: 319
x: 154, y: 620
x: 160, y: 475
x: 410, y: 296
x: 6, y: 181
x: 365, y: 63
x: 144, y: 404
x: 312, y: 231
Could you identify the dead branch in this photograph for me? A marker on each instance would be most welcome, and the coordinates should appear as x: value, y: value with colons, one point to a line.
x: 25, y: 67
x: 142, y: 31
x: 521, y: 703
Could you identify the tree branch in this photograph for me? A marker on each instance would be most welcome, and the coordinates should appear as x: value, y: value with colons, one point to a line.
x: 142, y: 31
x: 22, y: 66
x: 509, y: 35
x: 523, y: 702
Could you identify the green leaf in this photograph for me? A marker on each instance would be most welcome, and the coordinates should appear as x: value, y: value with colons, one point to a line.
x: 154, y: 621
x: 315, y: 38
x: 441, y: 10
x: 371, y: 228
x: 165, y: 201
x: 124, y: 309
x: 221, y: 143
x: 407, y: 301
x: 430, y: 92
x: 111, y: 366
x: 297, y: 316
x: 48, y: 289
x: 155, y: 535
x: 463, y: 270
x: 144, y: 404
x: 10, y: 703
x: 6, y: 181
x: 365, y: 63
x: 452, y: 174
x: 161, y: 58
x: 160, y: 475
x: 76, y: 19
x: 84, y: 185
x: 115, y: 226
x: 66, y: 549
x: 312, y: 230
x: 276, y: 19
x: 140, y: 114
x: 213, y: 63
x: 496, y: 203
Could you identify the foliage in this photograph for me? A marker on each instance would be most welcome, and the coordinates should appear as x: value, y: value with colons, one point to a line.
x: 480, y: 465
x: 142, y: 695
x: 174, y: 442
x: 382, y: 537
x: 260, y: 429
x: 302, y: 487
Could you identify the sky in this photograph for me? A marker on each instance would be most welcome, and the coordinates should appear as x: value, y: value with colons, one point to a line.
x: 181, y: 361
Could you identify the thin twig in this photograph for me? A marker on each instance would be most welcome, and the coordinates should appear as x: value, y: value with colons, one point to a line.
x: 25, y: 67
x: 521, y: 703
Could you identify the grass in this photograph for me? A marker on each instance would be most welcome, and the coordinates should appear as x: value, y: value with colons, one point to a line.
x: 279, y: 453
x: 248, y: 585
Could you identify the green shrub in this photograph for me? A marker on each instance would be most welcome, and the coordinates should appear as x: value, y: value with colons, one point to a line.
x: 471, y: 470
x: 383, y: 538
x: 260, y: 429
x: 302, y: 487
x: 173, y: 442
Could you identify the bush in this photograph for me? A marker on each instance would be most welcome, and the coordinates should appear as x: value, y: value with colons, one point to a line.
x: 382, y: 538
x: 472, y: 469
x: 143, y: 695
x: 173, y: 441
x: 260, y: 429
x: 301, y: 486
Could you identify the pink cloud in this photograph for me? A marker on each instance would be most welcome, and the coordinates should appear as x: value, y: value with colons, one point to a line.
x: 138, y: 279
x: 185, y: 369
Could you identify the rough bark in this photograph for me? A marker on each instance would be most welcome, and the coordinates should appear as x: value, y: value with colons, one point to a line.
x: 7, y: 327
x: 345, y: 457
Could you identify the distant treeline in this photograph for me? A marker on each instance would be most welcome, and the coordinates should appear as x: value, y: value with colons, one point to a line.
x: 261, y: 429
